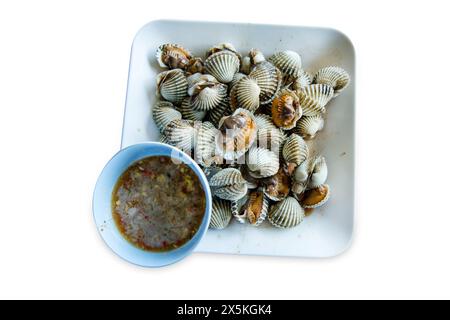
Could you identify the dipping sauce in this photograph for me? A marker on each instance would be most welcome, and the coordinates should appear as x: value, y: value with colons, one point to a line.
x: 158, y: 205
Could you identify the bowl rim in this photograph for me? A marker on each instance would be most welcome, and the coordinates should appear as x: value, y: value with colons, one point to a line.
x: 183, y: 250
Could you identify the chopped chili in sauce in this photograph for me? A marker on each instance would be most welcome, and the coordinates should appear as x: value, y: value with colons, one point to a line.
x: 157, y: 204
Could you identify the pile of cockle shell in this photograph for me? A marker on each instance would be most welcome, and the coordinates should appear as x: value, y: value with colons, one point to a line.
x: 245, y: 119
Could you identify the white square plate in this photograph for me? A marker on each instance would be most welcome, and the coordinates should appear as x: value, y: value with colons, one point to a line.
x: 328, y: 231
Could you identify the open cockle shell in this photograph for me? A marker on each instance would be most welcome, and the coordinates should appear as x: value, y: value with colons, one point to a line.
x: 262, y: 163
x: 289, y: 62
x: 223, y: 65
x: 286, y: 109
x: 308, y: 127
x: 286, y: 214
x: 172, y: 85
x: 164, y: 113
x: 199, y: 78
x: 181, y: 134
x: 258, y: 208
x: 256, y: 57
x: 228, y: 184
x: 269, y: 80
x: 195, y: 65
x: 172, y: 56
x: 255, y: 208
x: 277, y: 187
x: 316, y: 197
x: 295, y: 151
x: 237, y: 134
x: 220, y: 214
x: 224, y: 46
x: 245, y: 94
x: 336, y: 77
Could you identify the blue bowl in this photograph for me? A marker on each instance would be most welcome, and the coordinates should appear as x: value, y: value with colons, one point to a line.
x: 103, y: 211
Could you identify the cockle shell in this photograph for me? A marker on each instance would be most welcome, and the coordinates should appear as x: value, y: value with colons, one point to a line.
x: 256, y: 57
x: 286, y: 109
x: 301, y: 176
x: 277, y: 187
x: 308, y: 127
x: 310, y: 106
x: 163, y: 139
x: 264, y: 121
x: 289, y: 62
x: 206, y: 146
x: 172, y: 85
x: 254, y: 209
x: 298, y: 188
x: 236, y: 78
x: 220, y: 214
x: 245, y: 94
x: 316, y: 197
x: 319, y: 173
x: 164, y: 113
x: 322, y: 93
x: 252, y: 182
x: 181, y: 134
x: 223, y: 65
x: 172, y: 56
x: 220, y: 111
x: 237, y: 134
x: 207, y: 95
x: 198, y: 78
x: 302, y: 81
x: 286, y: 214
x: 236, y: 206
x: 188, y: 112
x: 295, y: 151
x: 195, y: 65
x: 262, y: 162
x: 303, y: 171
x: 211, y: 172
x: 228, y: 184
x: 336, y: 77
x: 225, y: 46
x: 249, y: 62
x: 246, y: 65
x: 269, y: 79
x: 258, y: 208
x: 271, y: 139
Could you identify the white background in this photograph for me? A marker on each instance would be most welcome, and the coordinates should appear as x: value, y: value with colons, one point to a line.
x: 63, y: 73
